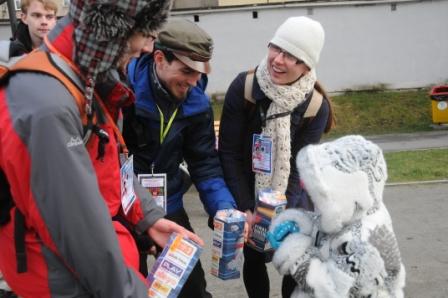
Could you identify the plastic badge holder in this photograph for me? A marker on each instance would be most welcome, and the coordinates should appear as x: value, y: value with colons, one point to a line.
x: 173, y: 266
x: 228, y: 242
x: 270, y: 203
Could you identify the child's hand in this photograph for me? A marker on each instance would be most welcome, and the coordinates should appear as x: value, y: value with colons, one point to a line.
x: 281, y: 231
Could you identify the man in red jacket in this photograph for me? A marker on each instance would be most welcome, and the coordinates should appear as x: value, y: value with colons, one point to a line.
x: 63, y: 175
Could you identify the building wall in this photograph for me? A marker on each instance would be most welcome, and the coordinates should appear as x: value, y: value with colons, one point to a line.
x: 249, y: 2
x: 400, y: 45
x: 188, y: 4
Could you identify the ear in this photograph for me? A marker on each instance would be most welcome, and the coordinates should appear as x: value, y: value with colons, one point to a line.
x: 159, y: 57
x: 23, y: 18
x: 307, y: 70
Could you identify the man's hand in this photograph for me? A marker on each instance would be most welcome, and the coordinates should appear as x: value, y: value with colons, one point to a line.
x: 161, y: 230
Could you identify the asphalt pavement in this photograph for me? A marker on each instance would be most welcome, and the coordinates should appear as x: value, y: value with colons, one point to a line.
x: 419, y: 217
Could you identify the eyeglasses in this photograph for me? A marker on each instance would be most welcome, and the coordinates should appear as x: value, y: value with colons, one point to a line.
x: 149, y: 35
x: 153, y: 37
x: 289, y: 58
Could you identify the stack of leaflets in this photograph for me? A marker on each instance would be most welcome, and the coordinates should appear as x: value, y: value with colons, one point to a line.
x: 173, y: 266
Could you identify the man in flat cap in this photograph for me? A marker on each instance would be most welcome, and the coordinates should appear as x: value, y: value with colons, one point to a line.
x: 60, y: 172
x: 172, y: 121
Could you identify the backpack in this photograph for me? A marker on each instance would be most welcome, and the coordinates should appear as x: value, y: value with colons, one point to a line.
x: 311, y: 111
x: 50, y: 64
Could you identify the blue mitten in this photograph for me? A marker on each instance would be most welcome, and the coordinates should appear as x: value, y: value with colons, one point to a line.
x: 281, y: 231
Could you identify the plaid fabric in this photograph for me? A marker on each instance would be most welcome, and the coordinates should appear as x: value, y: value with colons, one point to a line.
x: 102, y: 27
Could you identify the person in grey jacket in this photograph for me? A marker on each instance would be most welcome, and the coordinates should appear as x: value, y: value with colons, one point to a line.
x: 273, y: 115
x: 60, y: 171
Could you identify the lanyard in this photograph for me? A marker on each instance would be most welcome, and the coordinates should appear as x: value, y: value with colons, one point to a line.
x: 271, y: 117
x: 164, y: 130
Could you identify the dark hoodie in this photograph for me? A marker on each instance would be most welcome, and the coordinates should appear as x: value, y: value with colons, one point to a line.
x: 21, y: 42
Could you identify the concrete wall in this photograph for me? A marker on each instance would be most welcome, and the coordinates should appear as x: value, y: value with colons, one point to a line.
x: 188, y: 4
x: 368, y: 43
x: 402, y: 45
x: 246, y: 2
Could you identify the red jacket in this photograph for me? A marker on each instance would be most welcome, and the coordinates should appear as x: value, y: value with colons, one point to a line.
x: 66, y: 194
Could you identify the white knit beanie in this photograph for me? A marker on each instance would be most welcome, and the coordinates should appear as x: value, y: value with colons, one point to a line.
x: 302, y: 37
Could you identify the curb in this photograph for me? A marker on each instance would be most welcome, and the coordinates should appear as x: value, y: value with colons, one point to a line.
x: 417, y: 182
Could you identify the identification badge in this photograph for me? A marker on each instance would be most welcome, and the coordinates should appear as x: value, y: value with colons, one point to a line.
x: 127, y: 184
x: 156, y: 185
x: 262, y: 154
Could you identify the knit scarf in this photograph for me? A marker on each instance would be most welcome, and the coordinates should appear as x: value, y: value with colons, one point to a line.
x: 284, y: 99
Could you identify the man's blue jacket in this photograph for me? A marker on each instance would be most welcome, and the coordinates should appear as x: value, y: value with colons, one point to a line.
x: 190, y: 138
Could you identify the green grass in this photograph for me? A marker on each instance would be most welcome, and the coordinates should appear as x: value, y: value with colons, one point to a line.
x: 217, y: 108
x: 375, y: 112
x: 421, y: 165
x: 382, y: 112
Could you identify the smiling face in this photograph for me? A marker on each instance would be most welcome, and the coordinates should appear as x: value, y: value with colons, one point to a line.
x: 284, y: 68
x: 175, y: 76
x: 40, y: 21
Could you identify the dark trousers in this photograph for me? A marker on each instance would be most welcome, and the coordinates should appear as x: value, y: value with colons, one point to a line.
x: 195, y: 286
x: 256, y: 278
x: 288, y: 285
x: 7, y: 294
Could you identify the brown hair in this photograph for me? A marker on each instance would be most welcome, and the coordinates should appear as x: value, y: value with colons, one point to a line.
x: 48, y: 5
x: 331, y: 118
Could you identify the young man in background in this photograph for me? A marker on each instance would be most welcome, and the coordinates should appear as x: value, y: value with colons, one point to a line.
x: 37, y: 19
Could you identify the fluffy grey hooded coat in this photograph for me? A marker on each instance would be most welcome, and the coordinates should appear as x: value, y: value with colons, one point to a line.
x: 347, y: 247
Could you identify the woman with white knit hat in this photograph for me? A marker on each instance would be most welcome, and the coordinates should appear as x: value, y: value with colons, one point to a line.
x: 281, y: 106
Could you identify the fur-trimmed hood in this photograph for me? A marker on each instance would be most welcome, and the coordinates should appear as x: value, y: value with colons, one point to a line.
x: 344, y: 178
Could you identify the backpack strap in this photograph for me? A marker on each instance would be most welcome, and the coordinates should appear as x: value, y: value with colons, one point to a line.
x: 312, y: 109
x: 19, y: 241
x: 314, y: 105
x: 41, y: 62
x: 248, y: 86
